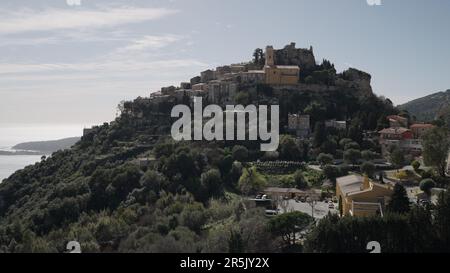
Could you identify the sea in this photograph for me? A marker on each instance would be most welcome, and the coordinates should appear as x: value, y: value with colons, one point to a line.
x: 12, y: 134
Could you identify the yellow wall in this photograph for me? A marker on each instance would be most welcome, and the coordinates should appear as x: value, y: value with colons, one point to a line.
x: 371, y: 196
x: 282, y: 76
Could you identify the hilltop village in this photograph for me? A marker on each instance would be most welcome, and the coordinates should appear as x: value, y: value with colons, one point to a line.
x: 289, y: 68
x: 276, y: 72
x: 271, y: 75
x: 350, y: 168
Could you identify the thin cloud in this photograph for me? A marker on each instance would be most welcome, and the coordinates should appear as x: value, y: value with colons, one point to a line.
x: 151, y: 42
x: 63, y: 19
x: 100, y: 66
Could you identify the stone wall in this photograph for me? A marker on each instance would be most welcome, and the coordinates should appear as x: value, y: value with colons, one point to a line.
x: 290, y: 55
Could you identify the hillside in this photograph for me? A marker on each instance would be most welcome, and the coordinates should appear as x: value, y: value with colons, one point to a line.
x: 47, y: 146
x: 128, y: 187
x: 428, y: 108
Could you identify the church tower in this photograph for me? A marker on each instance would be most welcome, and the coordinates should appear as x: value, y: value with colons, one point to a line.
x: 270, y: 61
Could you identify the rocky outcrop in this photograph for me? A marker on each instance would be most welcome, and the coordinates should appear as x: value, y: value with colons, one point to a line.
x: 353, y: 74
x: 290, y: 55
x: 355, y: 79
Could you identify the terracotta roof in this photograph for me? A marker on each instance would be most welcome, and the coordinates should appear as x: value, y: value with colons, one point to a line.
x: 420, y: 125
x: 397, y: 117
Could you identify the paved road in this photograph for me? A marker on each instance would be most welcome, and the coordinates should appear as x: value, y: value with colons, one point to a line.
x: 320, y: 210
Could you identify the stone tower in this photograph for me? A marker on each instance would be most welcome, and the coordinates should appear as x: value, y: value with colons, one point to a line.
x: 270, y: 61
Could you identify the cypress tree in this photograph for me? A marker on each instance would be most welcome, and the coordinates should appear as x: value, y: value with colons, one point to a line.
x: 399, y: 201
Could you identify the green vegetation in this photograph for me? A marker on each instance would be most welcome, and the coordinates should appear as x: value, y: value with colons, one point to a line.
x: 397, y: 157
x: 416, y: 231
x: 436, y: 146
x: 368, y: 168
x: 289, y: 225
x: 426, y: 185
x: 399, y: 202
x: 301, y: 179
x: 251, y: 181
x: 352, y: 156
x: 314, y: 178
x: 325, y: 159
x: 127, y: 187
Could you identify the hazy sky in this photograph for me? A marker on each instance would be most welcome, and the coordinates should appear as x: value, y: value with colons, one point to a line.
x: 66, y: 61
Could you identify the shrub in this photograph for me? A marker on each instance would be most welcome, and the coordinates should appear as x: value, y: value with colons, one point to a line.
x: 300, y: 180
x: 368, y: 168
x: 240, y: 153
x: 426, y: 185
x: 325, y: 159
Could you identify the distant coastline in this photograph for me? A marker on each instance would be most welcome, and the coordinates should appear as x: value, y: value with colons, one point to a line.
x: 39, y: 147
x: 19, y: 152
x: 45, y: 147
x: 27, y: 153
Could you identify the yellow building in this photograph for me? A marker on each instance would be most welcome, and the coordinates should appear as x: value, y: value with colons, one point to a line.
x: 280, y: 74
x: 358, y: 196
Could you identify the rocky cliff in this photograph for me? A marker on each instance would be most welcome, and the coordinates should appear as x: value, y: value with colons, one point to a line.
x: 290, y: 55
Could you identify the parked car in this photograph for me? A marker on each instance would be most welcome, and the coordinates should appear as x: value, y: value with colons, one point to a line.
x: 270, y: 213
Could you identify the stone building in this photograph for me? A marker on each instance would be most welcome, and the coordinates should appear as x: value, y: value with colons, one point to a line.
x: 182, y: 94
x: 185, y: 85
x: 200, y: 87
x: 419, y: 130
x: 253, y: 77
x: 400, y: 137
x: 222, y: 92
x: 196, y: 80
x: 237, y: 68
x: 280, y: 74
x: 207, y: 75
x: 231, y: 77
x: 299, y: 124
x: 221, y: 71
x: 170, y: 90
x: 359, y: 196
